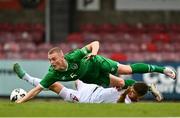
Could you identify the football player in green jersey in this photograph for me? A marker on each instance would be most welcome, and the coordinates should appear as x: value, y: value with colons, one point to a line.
x: 84, y: 64
x: 92, y: 93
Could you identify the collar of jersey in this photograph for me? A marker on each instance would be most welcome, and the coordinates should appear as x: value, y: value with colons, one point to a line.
x: 66, y: 68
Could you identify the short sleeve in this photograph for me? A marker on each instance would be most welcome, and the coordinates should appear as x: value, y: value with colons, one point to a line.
x: 48, y: 80
x: 85, y: 51
x: 77, y: 54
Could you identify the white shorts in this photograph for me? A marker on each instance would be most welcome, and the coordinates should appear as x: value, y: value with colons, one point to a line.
x: 91, y: 93
x: 85, y: 91
x: 105, y: 95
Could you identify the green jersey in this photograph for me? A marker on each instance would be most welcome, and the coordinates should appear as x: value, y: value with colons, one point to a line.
x: 95, y: 70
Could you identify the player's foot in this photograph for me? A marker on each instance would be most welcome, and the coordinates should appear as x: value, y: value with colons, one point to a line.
x: 18, y: 70
x: 170, y: 72
x: 153, y: 89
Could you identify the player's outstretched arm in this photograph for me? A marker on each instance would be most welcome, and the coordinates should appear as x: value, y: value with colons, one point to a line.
x: 31, y: 94
x: 93, y: 47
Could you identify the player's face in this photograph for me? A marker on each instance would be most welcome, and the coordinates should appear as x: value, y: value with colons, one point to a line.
x: 57, y: 61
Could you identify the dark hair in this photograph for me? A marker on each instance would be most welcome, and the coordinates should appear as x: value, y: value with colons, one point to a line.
x: 140, y: 88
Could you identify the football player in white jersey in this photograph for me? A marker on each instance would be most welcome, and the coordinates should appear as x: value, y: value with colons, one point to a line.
x: 91, y: 93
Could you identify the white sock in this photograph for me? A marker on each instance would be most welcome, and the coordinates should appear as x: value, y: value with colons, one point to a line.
x: 69, y: 95
x: 63, y: 93
x: 32, y: 80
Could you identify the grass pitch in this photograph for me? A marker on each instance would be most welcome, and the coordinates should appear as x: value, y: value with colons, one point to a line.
x: 54, y: 108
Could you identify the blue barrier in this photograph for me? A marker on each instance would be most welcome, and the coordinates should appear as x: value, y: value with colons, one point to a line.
x: 168, y: 87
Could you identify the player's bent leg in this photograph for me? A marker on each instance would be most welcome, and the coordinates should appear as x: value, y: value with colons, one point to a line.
x: 145, y: 68
x: 170, y: 72
x: 153, y: 89
x: 25, y: 76
x: 120, y: 83
x: 69, y: 95
x: 65, y: 93
x: 139, y: 68
x: 116, y: 81
x: 32, y: 80
x: 124, y: 69
x: 18, y: 70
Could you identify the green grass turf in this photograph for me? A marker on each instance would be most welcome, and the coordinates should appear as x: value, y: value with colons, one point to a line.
x: 54, y: 108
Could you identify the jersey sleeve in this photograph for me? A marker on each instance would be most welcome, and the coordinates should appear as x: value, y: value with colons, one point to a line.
x: 84, y: 51
x: 77, y: 54
x: 48, y: 80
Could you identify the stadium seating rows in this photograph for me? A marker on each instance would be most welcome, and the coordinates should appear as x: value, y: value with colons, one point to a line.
x: 123, y: 42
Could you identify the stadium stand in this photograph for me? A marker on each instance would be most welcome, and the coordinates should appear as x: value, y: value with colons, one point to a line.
x: 121, y: 42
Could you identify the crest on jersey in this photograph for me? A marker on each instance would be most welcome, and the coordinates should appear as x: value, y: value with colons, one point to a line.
x: 74, y: 66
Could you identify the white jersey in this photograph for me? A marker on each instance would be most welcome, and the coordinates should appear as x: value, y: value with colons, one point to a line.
x: 92, y: 93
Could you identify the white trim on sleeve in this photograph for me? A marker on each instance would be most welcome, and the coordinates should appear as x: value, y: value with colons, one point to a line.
x: 44, y: 89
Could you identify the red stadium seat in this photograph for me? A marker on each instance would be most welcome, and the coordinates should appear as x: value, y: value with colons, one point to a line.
x: 118, y: 57
x: 156, y: 28
x: 151, y: 47
x: 123, y: 28
x: 161, y: 37
x: 173, y: 28
x: 75, y: 37
x: 106, y: 28
x: 88, y: 27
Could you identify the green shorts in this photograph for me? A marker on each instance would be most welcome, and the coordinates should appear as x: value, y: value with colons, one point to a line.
x: 97, y: 70
x: 106, y: 65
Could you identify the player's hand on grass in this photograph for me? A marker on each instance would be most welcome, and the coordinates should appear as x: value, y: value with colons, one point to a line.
x: 18, y: 101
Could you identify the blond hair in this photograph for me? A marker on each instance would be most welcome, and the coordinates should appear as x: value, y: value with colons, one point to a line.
x: 53, y: 50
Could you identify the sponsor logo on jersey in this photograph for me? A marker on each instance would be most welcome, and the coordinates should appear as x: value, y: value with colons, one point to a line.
x: 72, y: 75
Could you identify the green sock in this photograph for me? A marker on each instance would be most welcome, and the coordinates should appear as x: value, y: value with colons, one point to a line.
x: 146, y: 68
x: 128, y: 82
